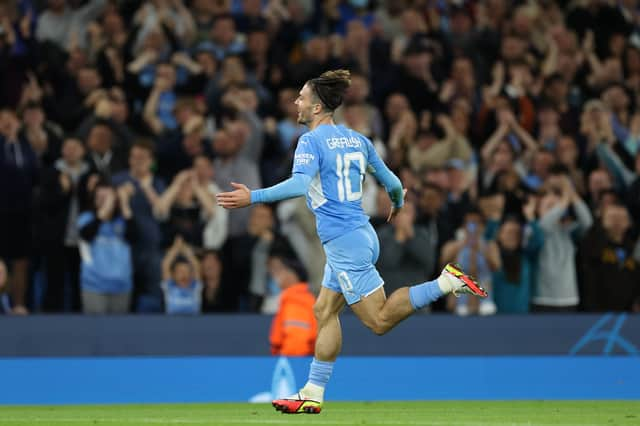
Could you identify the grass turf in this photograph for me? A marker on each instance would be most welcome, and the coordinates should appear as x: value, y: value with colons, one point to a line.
x: 582, y: 413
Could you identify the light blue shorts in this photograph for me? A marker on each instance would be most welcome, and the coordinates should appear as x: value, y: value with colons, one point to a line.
x: 350, y: 264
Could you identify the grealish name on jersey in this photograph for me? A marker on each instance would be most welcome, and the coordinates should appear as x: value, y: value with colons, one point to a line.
x: 343, y: 142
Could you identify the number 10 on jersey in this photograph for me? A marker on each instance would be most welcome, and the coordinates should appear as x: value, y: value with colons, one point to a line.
x: 350, y: 169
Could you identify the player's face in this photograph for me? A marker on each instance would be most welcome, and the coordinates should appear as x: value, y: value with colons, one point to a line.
x: 305, y: 105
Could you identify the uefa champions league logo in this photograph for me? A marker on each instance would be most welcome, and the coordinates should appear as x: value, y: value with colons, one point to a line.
x: 283, y: 383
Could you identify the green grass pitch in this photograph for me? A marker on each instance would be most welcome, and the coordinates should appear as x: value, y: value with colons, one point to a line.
x: 471, y: 413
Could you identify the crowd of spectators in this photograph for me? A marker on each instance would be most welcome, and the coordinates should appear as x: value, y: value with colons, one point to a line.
x: 515, y: 126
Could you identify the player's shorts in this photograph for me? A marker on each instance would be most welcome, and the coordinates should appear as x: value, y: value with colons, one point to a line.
x: 350, y: 264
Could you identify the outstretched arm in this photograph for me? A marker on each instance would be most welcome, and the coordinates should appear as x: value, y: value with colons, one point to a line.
x: 306, y: 162
x: 295, y: 186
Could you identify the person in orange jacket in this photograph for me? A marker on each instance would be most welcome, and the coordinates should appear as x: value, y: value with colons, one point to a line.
x: 294, y: 328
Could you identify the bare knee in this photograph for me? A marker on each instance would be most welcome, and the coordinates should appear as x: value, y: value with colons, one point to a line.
x: 323, y: 313
x: 379, y: 325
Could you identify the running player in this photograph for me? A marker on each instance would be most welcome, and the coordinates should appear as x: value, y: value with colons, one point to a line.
x: 329, y: 165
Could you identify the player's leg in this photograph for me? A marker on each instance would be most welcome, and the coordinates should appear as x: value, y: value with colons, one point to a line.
x: 328, y: 343
x: 327, y: 309
x: 381, y: 315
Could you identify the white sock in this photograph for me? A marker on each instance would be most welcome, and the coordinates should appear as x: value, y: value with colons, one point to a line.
x: 446, y: 282
x: 311, y: 391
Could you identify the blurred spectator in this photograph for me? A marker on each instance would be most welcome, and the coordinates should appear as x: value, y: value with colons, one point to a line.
x: 557, y: 286
x: 514, y: 279
x: 66, y: 26
x: 107, y: 232
x: 172, y: 15
x: 246, y: 262
x: 598, y: 183
x: 317, y: 58
x: 298, y: 225
x: 265, y: 239
x: 415, y: 78
x: 461, y: 190
x: 567, y: 155
x: 18, y: 176
x: 45, y: 137
x: 462, y: 84
x: 541, y: 166
x: 231, y: 167
x: 62, y: 197
x: 477, y: 255
x: 217, y: 227
x: 389, y: 17
x: 611, y: 276
x: 178, y: 149
x: 17, y: 49
x: 431, y: 151
x: 250, y: 16
x: 109, y: 41
x: 509, y: 147
x: 366, y: 117
x: 103, y: 158
x: 245, y: 125
x: 294, y: 328
x: 181, y: 279
x: 71, y: 90
x: 111, y: 109
x: 5, y: 304
x: 158, y: 109
x: 213, y: 287
x: 223, y: 39
x: 146, y: 189
x: 186, y: 207
x: 234, y: 75
x: 406, y: 255
x: 204, y: 12
x: 402, y: 127
x: 432, y: 215
x: 412, y: 24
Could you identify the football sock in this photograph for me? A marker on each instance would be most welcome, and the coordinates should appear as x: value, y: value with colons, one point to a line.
x: 421, y: 295
x: 319, y: 375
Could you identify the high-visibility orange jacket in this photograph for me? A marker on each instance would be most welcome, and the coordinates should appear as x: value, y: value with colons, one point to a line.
x: 294, y: 328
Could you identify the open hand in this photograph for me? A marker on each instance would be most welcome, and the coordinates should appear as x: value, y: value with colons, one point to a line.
x: 240, y: 197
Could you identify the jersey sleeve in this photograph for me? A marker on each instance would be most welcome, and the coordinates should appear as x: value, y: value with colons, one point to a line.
x: 295, y: 186
x: 306, y: 159
x: 386, y: 177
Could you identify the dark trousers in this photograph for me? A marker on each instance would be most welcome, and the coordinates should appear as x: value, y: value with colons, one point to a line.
x: 62, y: 265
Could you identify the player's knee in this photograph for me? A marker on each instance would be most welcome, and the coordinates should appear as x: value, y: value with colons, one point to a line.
x: 378, y: 329
x: 379, y: 326
x: 321, y: 312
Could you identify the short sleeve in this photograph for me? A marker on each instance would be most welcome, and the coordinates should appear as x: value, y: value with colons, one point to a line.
x: 306, y: 159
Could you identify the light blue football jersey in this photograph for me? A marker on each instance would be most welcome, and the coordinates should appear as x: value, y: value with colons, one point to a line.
x: 336, y: 158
